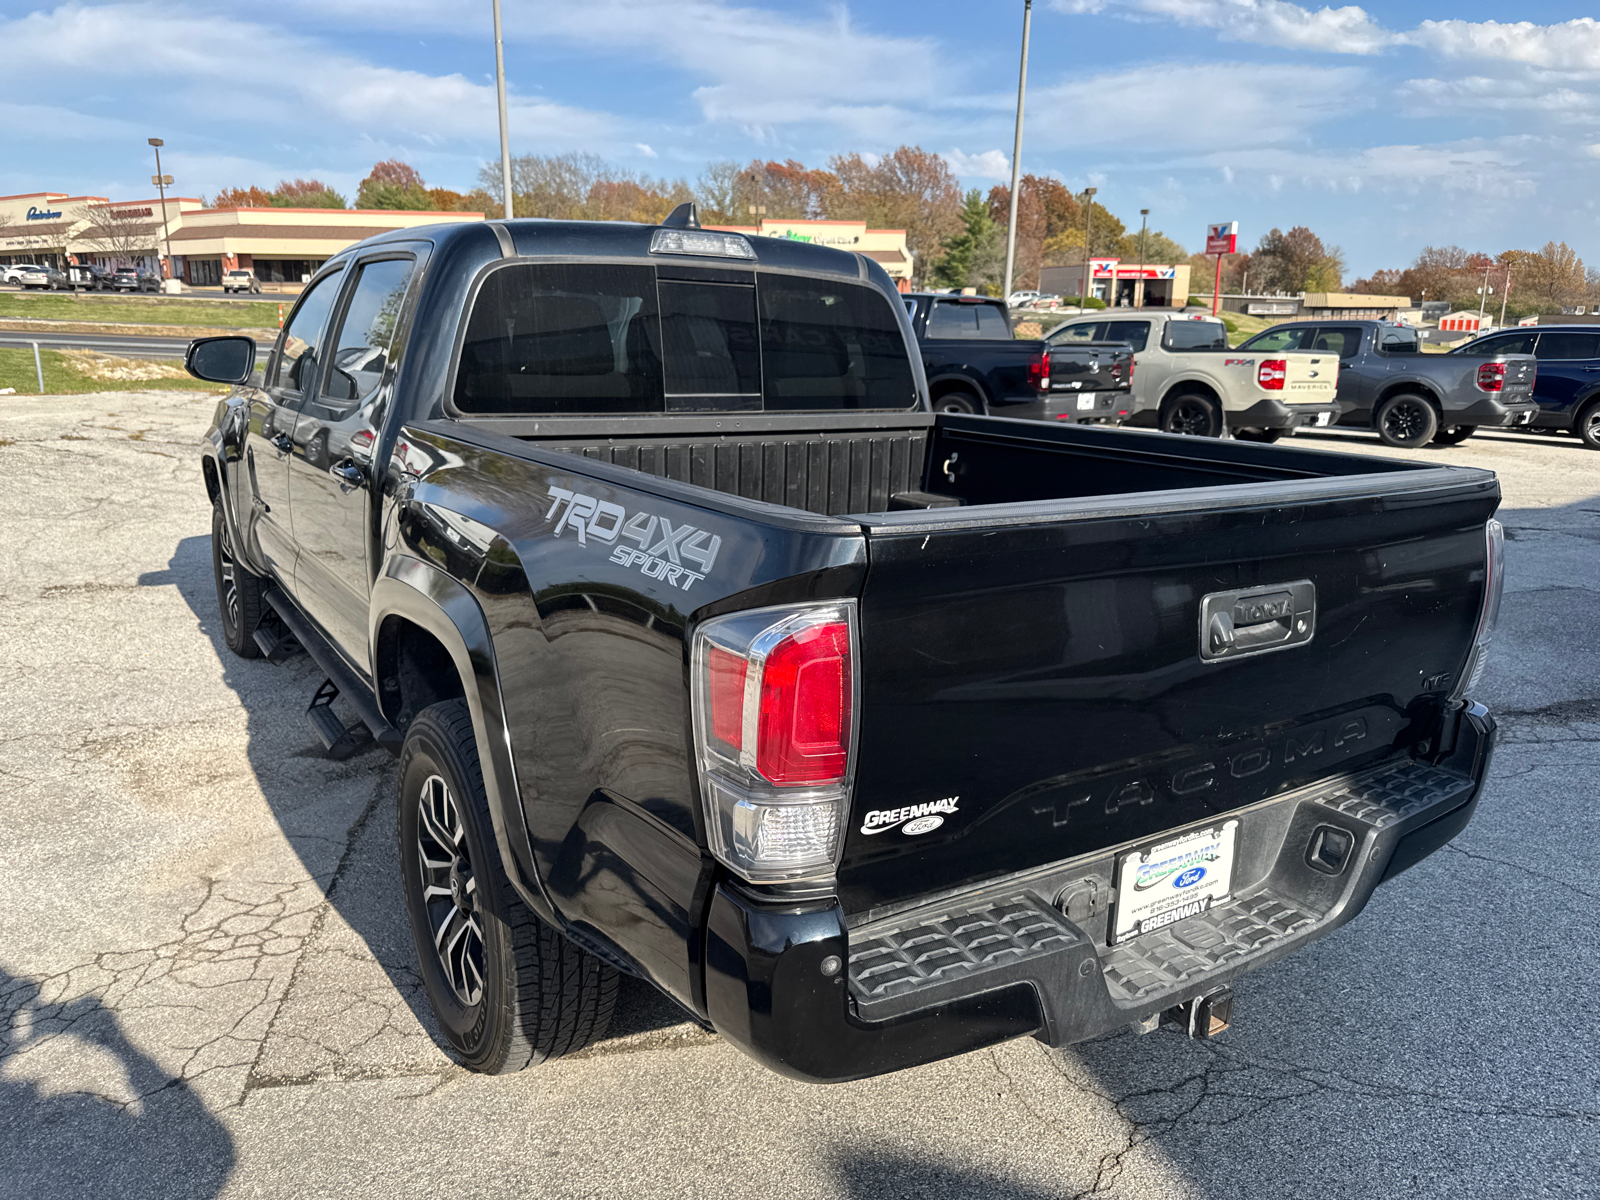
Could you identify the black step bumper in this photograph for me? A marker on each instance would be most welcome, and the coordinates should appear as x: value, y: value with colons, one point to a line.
x: 816, y: 1000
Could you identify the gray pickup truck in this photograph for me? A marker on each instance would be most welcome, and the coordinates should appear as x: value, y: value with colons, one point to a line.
x: 1410, y: 398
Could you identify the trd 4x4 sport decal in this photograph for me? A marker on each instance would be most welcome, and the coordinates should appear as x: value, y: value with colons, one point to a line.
x: 663, y: 547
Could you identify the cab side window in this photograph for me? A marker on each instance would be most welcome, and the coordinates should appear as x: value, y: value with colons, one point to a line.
x: 298, y: 357
x: 1135, y: 333
x: 366, y: 332
x: 1084, y: 331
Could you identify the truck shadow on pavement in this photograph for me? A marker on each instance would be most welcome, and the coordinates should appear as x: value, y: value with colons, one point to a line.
x: 127, y: 1128
x: 362, y: 880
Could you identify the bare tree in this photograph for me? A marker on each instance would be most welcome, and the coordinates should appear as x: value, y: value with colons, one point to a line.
x: 125, y: 234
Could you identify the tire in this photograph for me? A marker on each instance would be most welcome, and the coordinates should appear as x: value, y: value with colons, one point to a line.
x: 1453, y: 435
x: 1260, y: 435
x: 1587, y: 426
x: 1406, y: 421
x: 239, y: 590
x: 1192, y: 413
x: 958, y: 402
x: 508, y: 990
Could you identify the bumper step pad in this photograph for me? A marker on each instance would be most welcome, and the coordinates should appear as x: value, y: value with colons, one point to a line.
x: 1006, y: 932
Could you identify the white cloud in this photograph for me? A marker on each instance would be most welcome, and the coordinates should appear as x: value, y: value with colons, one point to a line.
x: 991, y: 164
x: 1347, y: 30
x: 1499, y: 170
x: 1187, y: 109
x: 645, y: 150
x: 1568, y: 46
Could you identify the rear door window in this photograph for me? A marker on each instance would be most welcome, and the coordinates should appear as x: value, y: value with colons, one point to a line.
x: 1567, y: 346
x: 1196, y: 335
x: 1345, y: 340
x: 1273, y: 340
x: 1399, y: 341
x: 1135, y: 333
x: 1084, y: 331
x: 1507, y: 343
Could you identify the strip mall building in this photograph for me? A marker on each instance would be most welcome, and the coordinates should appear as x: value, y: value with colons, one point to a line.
x: 886, y: 247
x: 280, y: 245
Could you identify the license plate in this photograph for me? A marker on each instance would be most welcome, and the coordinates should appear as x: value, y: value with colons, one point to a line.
x: 1168, y: 883
x: 1087, y: 400
x: 1324, y: 419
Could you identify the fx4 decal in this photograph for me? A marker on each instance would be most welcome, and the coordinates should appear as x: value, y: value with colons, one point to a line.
x: 663, y: 548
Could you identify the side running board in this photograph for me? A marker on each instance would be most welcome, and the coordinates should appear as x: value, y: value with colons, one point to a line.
x: 341, y: 741
x: 342, y: 680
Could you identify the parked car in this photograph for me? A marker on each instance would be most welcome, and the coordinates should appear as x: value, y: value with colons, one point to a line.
x: 974, y: 364
x: 868, y: 734
x: 1189, y: 381
x: 88, y: 277
x: 14, y: 273
x: 1023, y: 299
x: 1567, y: 389
x: 43, y: 278
x: 136, y: 279
x: 1410, y: 398
x: 240, y: 281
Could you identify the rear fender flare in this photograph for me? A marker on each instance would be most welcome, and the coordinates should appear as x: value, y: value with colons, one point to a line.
x: 1412, y: 386
x: 1191, y: 382
x: 962, y: 380
x: 425, y: 596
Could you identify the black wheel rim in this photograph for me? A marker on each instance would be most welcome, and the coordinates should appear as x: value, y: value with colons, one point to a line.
x: 228, y: 570
x: 1191, y: 417
x: 1404, y: 422
x: 449, y: 890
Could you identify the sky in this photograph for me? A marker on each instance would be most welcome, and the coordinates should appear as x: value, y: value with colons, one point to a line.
x: 1383, y: 129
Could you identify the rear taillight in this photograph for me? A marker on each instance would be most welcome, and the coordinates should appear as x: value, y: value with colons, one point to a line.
x: 1491, y: 377
x: 1039, y: 372
x: 774, y: 724
x: 1494, y: 581
x: 1271, y: 373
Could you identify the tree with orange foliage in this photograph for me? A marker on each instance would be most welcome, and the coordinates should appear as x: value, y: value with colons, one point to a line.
x: 246, y: 197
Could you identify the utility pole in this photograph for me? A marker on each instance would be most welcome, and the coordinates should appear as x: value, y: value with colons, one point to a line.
x: 161, y: 182
x: 1016, y: 151
x: 1088, y: 228
x: 1483, y: 295
x: 500, y: 91
x: 1505, y: 294
x: 1144, y: 223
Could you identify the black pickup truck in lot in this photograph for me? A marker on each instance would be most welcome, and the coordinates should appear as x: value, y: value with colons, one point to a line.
x: 867, y: 734
x: 974, y: 364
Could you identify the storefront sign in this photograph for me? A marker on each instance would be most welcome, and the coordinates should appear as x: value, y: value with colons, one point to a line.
x: 131, y: 214
x: 1103, y: 266
x: 1222, y: 238
x: 42, y: 214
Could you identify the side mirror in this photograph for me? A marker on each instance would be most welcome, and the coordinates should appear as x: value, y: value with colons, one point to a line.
x: 221, y: 359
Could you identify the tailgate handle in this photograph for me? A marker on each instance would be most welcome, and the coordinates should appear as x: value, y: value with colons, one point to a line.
x: 1257, y: 620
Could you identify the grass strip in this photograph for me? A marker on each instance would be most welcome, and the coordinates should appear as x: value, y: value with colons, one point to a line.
x: 68, y: 372
x: 143, y: 310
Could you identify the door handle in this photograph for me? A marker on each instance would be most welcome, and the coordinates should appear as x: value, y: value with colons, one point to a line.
x: 349, y: 475
x: 282, y: 443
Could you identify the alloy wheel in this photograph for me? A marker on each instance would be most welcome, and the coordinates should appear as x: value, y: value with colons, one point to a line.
x: 1190, y: 417
x: 1404, y: 422
x: 450, y: 890
x: 230, y: 584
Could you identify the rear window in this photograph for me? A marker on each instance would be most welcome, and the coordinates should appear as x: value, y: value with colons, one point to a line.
x: 595, y: 339
x: 967, y: 319
x: 1196, y: 335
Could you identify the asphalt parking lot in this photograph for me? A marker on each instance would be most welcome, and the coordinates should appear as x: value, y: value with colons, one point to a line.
x: 206, y: 985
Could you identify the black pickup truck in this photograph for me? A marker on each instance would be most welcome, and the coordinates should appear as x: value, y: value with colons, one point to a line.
x: 868, y: 734
x: 973, y: 363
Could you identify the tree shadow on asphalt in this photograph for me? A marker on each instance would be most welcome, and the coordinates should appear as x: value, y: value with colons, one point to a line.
x: 365, y: 888
x: 127, y: 1129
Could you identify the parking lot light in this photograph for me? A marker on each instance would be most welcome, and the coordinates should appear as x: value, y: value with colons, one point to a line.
x: 161, y: 182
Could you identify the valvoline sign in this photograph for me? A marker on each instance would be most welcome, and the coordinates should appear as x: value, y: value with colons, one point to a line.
x: 1222, y: 238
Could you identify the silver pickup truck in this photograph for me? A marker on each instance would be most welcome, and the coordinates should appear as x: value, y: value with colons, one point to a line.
x: 1187, y: 380
x: 1407, y: 397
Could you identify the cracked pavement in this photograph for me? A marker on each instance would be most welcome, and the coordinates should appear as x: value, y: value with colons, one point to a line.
x: 206, y: 985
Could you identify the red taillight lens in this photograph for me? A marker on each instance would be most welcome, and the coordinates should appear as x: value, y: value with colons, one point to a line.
x: 1039, y: 372
x: 805, y: 707
x: 725, y: 691
x: 1271, y: 373
x: 1491, y: 376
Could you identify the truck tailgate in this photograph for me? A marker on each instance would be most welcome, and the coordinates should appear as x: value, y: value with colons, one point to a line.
x: 1310, y: 378
x: 1033, y: 675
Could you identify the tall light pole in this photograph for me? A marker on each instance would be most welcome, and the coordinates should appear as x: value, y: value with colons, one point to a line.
x: 500, y: 92
x: 161, y: 182
x: 1016, y: 150
x: 1088, y: 228
x: 1505, y: 294
x: 1144, y: 223
x: 1483, y: 295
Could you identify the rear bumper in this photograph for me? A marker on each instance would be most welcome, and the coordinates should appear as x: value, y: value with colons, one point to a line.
x: 1073, y: 406
x: 1275, y: 414
x: 1489, y: 411
x: 815, y: 1000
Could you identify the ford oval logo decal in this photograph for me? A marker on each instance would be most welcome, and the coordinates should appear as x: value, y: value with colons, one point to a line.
x: 1190, y: 877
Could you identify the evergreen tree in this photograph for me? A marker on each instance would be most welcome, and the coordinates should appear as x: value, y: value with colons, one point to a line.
x: 970, y: 256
